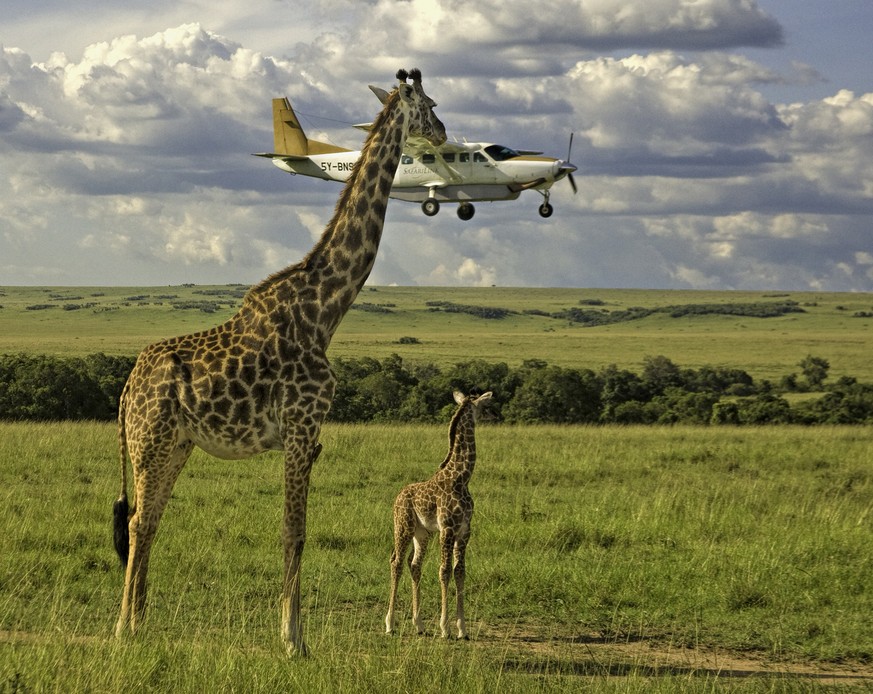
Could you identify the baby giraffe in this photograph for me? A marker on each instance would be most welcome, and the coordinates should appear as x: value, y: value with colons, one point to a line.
x: 442, y: 503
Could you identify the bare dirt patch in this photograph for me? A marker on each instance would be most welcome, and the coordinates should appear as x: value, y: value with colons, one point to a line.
x: 538, y: 652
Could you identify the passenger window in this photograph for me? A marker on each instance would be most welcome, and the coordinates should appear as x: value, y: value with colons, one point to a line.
x: 464, y: 157
x: 428, y: 158
x: 449, y: 157
x: 405, y: 159
x: 478, y: 157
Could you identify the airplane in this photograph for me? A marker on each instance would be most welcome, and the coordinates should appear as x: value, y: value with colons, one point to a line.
x: 453, y: 172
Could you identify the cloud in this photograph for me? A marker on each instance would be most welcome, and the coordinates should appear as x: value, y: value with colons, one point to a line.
x: 444, y: 30
x: 180, y: 91
x: 130, y: 162
x: 670, y: 105
x: 831, y: 144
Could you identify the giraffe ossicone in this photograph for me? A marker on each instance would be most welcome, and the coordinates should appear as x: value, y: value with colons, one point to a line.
x: 441, y: 505
x: 261, y: 380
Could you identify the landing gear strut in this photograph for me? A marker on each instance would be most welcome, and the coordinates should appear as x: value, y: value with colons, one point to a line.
x: 466, y: 211
x: 546, y: 209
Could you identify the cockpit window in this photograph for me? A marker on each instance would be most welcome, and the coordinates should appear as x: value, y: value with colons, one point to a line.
x: 501, y: 153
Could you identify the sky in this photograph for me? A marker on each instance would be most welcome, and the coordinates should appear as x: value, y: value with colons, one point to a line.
x: 720, y: 144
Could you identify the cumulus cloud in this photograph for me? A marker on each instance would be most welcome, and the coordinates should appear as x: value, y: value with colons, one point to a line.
x: 512, y: 27
x: 669, y: 104
x: 129, y: 161
x: 176, y: 92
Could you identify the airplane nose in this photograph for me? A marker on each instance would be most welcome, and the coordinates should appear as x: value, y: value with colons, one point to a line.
x: 562, y: 168
x: 565, y: 168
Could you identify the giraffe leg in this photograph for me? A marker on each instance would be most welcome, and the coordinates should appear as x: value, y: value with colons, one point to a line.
x: 460, y: 550
x: 402, y: 538
x: 447, y: 542
x: 299, y: 457
x: 154, y: 483
x: 420, y: 541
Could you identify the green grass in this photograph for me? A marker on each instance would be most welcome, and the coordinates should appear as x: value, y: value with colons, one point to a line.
x: 122, y: 320
x: 596, y: 552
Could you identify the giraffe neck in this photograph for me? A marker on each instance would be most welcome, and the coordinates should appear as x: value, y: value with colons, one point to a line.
x: 462, y: 453
x: 324, y: 285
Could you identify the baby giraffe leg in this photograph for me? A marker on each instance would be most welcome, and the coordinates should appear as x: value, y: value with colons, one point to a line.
x: 401, y: 546
x: 420, y: 541
x: 447, y: 542
x: 460, y: 549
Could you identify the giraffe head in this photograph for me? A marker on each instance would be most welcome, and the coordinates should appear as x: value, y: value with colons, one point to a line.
x: 469, y: 410
x: 423, y: 123
x: 476, y: 402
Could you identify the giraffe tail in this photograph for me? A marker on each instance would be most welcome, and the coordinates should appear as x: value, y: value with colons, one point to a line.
x: 121, y: 507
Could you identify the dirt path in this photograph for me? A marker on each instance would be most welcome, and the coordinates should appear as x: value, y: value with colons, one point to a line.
x: 527, y: 651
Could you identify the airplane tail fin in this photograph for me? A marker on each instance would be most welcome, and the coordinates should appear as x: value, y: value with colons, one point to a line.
x: 288, y: 135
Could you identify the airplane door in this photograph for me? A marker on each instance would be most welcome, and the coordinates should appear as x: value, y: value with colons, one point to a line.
x: 483, y: 169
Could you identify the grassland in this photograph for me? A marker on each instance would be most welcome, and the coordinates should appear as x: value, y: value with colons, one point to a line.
x: 614, y: 558
x: 620, y: 559
x: 83, y: 320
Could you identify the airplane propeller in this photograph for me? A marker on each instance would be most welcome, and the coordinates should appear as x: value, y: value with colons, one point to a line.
x: 569, y: 168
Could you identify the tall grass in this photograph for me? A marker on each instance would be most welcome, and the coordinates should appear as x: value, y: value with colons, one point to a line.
x: 584, y: 539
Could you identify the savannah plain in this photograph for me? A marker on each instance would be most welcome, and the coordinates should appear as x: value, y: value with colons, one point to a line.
x: 628, y: 559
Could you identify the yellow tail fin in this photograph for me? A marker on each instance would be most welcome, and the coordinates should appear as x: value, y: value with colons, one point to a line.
x: 288, y: 135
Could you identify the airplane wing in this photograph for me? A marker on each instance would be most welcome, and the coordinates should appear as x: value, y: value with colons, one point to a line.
x: 273, y: 155
x: 416, y: 146
x: 451, y: 147
x: 448, y: 172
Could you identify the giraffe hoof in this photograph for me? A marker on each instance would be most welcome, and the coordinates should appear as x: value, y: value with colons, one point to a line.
x: 297, y: 650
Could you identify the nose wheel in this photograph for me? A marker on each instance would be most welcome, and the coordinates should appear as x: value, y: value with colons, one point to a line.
x: 545, y: 209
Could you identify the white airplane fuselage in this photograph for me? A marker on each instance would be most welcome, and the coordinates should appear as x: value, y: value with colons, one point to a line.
x: 472, y: 174
x: 454, y: 172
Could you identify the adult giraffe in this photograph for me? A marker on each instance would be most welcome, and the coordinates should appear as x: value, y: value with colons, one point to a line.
x: 262, y: 380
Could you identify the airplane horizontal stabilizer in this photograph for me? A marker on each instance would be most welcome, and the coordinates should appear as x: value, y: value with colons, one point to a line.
x: 273, y: 155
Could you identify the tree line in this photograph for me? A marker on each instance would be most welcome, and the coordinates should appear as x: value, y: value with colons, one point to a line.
x: 43, y: 387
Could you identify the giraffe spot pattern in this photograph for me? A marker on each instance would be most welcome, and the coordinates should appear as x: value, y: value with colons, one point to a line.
x: 261, y: 380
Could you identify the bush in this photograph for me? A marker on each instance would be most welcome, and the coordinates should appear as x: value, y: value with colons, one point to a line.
x: 40, y: 387
x: 47, y: 388
x: 848, y: 402
x: 555, y: 395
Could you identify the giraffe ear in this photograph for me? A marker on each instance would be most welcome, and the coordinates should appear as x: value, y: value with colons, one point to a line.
x: 459, y: 396
x: 380, y: 93
x: 485, y: 397
x: 405, y: 92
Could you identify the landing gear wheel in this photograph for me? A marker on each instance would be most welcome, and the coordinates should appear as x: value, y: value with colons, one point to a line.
x: 430, y: 207
x: 546, y: 210
x: 466, y: 211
